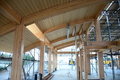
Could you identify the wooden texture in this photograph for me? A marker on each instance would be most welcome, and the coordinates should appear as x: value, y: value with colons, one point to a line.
x: 55, y: 61
x: 63, y: 38
x: 30, y: 38
x: 34, y: 45
x: 97, y: 47
x: 42, y: 48
x: 85, y: 53
x: 25, y: 8
x: 88, y: 55
x: 47, y: 15
x: 89, y: 65
x: 18, y: 51
x: 101, y: 43
x: 65, y: 46
x: 70, y: 42
x: 93, y: 50
x: 97, y: 29
x: 8, y: 12
x: 71, y: 24
x: 49, y: 60
x: 7, y: 29
x: 102, y: 6
x: 4, y: 21
x: 77, y: 65
x: 61, y: 9
x: 52, y: 56
x: 65, y: 52
x: 80, y: 62
x: 6, y: 42
x: 87, y: 30
x: 38, y: 33
x: 100, y: 66
x: 100, y: 55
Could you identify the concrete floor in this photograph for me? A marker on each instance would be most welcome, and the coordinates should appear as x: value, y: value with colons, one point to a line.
x: 4, y: 75
x: 66, y: 72
x: 64, y: 75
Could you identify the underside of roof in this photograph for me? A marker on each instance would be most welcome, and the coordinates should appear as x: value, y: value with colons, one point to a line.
x: 56, y: 22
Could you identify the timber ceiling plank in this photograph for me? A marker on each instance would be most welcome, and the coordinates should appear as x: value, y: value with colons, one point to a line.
x: 8, y: 12
x: 71, y: 24
x: 61, y: 9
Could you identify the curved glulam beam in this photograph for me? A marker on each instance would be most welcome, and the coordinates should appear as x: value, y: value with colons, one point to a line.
x: 6, y: 10
x: 65, y: 52
x: 62, y: 9
x: 60, y: 45
x: 65, y: 46
x: 62, y: 38
x: 38, y: 33
x: 32, y: 46
x: 7, y: 29
x: 9, y: 13
x: 86, y: 20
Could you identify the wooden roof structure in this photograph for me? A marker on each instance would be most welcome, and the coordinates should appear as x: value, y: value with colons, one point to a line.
x: 47, y: 20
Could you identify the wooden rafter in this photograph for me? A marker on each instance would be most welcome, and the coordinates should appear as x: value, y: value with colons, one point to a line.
x: 65, y: 52
x: 61, y: 9
x: 7, y: 29
x: 65, y: 46
x: 42, y: 33
x: 38, y: 33
x: 31, y: 46
x: 87, y: 30
x: 101, y: 43
x: 60, y: 45
x: 93, y: 50
x: 8, y: 12
x: 11, y: 14
x: 62, y: 38
x: 80, y: 31
x: 70, y: 23
x: 102, y: 6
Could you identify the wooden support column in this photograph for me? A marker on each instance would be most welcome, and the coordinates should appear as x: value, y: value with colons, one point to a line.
x: 77, y: 66
x: 54, y: 61
x: 52, y: 69
x: 80, y: 61
x: 88, y: 56
x: 97, y: 29
x: 89, y: 66
x: 42, y: 48
x: 100, y: 66
x: 85, y: 53
x: 18, y: 50
x: 49, y: 62
x: 100, y: 55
